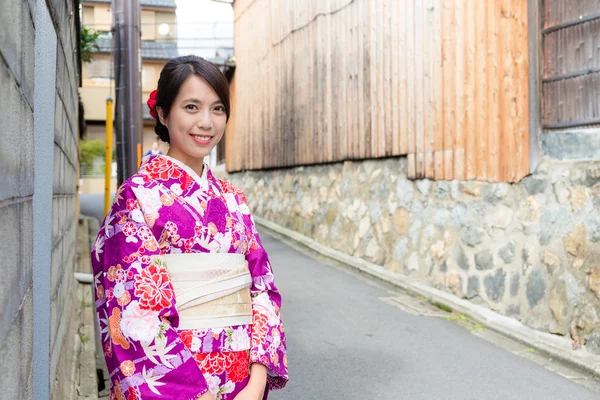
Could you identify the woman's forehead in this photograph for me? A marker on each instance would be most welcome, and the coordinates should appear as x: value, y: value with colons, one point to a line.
x: 196, y: 88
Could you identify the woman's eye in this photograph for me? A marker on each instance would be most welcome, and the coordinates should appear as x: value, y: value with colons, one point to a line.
x: 190, y: 107
x: 220, y: 108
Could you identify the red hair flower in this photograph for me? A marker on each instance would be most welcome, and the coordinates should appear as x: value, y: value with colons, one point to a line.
x: 152, y: 104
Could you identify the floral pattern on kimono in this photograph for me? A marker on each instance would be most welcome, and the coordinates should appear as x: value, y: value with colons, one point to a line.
x: 166, y: 208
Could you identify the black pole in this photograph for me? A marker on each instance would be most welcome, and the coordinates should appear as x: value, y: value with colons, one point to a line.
x: 128, y: 116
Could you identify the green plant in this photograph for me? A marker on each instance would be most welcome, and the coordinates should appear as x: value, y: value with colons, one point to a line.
x: 90, y: 150
x: 89, y: 47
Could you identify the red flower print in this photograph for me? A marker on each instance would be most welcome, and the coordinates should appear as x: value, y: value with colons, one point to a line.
x: 259, y: 327
x: 171, y: 228
x: 133, y: 393
x: 213, y: 363
x: 129, y: 229
x: 145, y: 233
x: 108, y: 350
x: 132, y: 204
x: 239, y: 366
x: 186, y: 337
x: 185, y: 180
x: 153, y: 288
x: 163, y: 169
x: 152, y: 104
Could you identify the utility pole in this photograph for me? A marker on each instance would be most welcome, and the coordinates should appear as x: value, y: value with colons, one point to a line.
x: 128, y: 66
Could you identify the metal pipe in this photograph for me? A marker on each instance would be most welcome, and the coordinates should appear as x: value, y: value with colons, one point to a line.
x: 108, y: 154
x: 84, y: 278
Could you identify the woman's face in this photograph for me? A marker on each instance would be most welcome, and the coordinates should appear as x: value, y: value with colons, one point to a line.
x: 196, y: 122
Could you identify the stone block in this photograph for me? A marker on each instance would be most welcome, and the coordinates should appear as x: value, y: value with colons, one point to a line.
x: 16, y: 353
x: 16, y: 247
x: 577, y: 243
x: 593, y: 279
x: 27, y: 33
x: 580, y: 145
x: 515, y: 284
x: 461, y: 258
x: 10, y: 43
x: 473, y: 287
x: 507, y: 253
x: 473, y: 236
x: 495, y: 285
x: 535, y: 185
x: 16, y: 142
x: 484, y: 260
x: 536, y: 288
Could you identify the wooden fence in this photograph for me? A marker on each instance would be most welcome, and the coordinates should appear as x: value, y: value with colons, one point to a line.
x: 444, y: 82
x: 571, y: 71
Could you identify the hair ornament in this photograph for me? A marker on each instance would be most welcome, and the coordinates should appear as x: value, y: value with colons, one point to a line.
x: 152, y: 104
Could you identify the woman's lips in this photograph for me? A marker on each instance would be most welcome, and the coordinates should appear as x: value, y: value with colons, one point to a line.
x: 202, y: 139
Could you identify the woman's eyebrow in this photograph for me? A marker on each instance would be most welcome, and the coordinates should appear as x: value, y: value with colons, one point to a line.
x: 197, y: 101
x: 192, y: 100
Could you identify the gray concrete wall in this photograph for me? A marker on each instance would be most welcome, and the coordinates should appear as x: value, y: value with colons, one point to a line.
x: 16, y: 198
x: 38, y: 198
x: 64, y: 201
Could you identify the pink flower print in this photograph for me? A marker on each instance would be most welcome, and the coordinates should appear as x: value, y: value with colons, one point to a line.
x: 145, y: 233
x: 171, y: 228
x: 132, y: 204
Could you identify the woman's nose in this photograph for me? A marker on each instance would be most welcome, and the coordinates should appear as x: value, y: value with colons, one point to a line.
x: 204, y: 120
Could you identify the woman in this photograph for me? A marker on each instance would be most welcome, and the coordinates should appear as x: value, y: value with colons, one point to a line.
x: 184, y: 289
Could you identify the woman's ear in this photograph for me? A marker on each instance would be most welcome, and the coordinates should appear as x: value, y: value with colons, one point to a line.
x: 159, y: 111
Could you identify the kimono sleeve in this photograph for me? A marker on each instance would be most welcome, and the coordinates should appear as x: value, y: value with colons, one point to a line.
x: 136, y: 309
x: 268, y: 346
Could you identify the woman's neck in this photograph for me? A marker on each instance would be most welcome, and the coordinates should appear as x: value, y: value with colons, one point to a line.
x: 196, y: 164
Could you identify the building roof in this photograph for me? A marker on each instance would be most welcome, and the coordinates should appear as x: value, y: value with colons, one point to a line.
x: 150, y: 50
x: 143, y: 3
x: 159, y: 50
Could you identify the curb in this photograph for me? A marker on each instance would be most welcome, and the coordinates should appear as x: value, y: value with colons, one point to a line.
x: 554, y: 346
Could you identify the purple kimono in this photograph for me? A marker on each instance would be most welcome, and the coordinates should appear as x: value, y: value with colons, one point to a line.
x: 167, y: 208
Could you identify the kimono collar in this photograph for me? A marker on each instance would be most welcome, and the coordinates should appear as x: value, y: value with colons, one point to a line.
x: 158, y: 167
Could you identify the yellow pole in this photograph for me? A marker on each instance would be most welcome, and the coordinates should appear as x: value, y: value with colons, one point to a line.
x: 108, y: 154
x: 139, y: 154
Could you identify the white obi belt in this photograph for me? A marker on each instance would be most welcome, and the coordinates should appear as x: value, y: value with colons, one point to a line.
x: 212, y: 290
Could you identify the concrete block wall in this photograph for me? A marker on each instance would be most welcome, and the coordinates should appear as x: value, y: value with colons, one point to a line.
x: 39, y: 79
x: 16, y: 199
x: 64, y: 200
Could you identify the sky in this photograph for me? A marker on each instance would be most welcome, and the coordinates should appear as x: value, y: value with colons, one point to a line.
x: 205, y: 28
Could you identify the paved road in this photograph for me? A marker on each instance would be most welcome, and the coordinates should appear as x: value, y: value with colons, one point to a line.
x: 345, y: 341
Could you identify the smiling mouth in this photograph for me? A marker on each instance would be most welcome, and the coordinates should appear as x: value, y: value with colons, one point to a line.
x: 201, y: 138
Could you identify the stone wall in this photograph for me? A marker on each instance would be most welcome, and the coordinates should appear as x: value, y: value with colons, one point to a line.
x: 39, y: 79
x: 529, y: 250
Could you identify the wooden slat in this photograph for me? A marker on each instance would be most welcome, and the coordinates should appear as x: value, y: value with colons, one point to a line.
x: 437, y: 88
x: 448, y: 89
x: 442, y: 82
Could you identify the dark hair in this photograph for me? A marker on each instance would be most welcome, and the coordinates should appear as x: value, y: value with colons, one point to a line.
x: 174, y: 73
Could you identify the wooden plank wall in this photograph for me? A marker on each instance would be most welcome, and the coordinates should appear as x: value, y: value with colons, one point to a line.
x: 444, y: 82
x: 571, y: 71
